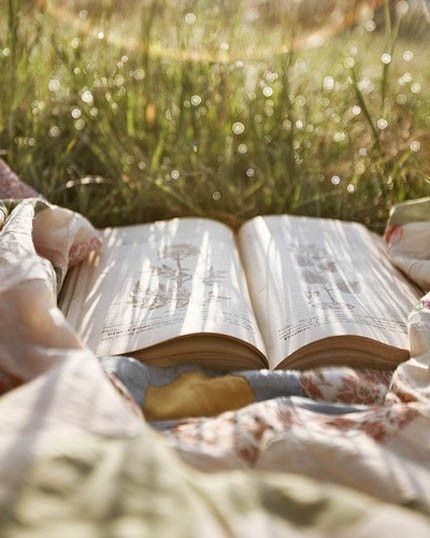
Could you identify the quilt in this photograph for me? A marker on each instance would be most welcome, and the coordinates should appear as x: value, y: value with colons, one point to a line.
x: 114, y: 447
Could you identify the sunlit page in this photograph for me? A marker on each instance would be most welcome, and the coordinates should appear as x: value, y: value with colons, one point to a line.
x: 314, y: 278
x: 162, y: 280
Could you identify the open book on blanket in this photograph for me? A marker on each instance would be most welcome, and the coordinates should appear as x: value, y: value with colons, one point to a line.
x: 284, y: 292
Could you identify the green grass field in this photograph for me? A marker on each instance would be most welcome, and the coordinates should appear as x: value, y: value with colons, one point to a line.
x: 213, y: 109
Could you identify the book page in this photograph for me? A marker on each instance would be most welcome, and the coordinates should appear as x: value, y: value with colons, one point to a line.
x: 154, y: 282
x: 314, y: 278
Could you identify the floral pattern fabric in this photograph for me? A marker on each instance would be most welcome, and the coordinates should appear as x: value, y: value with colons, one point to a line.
x: 68, y: 225
x: 366, y: 429
x: 11, y: 186
x: 362, y: 429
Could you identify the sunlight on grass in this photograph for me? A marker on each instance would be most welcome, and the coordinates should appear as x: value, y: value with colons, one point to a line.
x: 216, y: 108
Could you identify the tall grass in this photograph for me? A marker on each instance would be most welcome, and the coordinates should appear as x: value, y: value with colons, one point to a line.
x: 174, y: 109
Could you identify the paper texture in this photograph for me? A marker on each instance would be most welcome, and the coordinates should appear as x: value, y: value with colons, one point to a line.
x: 159, y: 281
x: 315, y: 278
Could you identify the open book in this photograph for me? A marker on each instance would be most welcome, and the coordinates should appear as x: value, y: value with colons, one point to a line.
x: 285, y: 292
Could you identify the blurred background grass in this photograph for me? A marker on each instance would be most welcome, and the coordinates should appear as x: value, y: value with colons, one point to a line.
x: 130, y: 111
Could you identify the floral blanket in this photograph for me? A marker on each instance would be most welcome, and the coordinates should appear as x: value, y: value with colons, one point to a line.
x: 113, y: 447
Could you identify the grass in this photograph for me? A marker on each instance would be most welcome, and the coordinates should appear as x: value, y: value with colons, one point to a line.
x: 191, y: 108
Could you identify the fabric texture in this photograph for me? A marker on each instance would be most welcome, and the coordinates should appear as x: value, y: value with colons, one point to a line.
x: 365, y: 429
x: 63, y: 236
x: 113, y: 447
x: 35, y: 241
x: 11, y: 186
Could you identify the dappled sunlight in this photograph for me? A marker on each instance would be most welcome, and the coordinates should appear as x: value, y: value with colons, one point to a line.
x: 131, y: 112
x: 316, y: 279
x: 180, y: 277
x: 239, y: 152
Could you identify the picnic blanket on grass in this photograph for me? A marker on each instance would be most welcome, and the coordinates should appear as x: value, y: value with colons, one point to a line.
x: 113, y: 447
